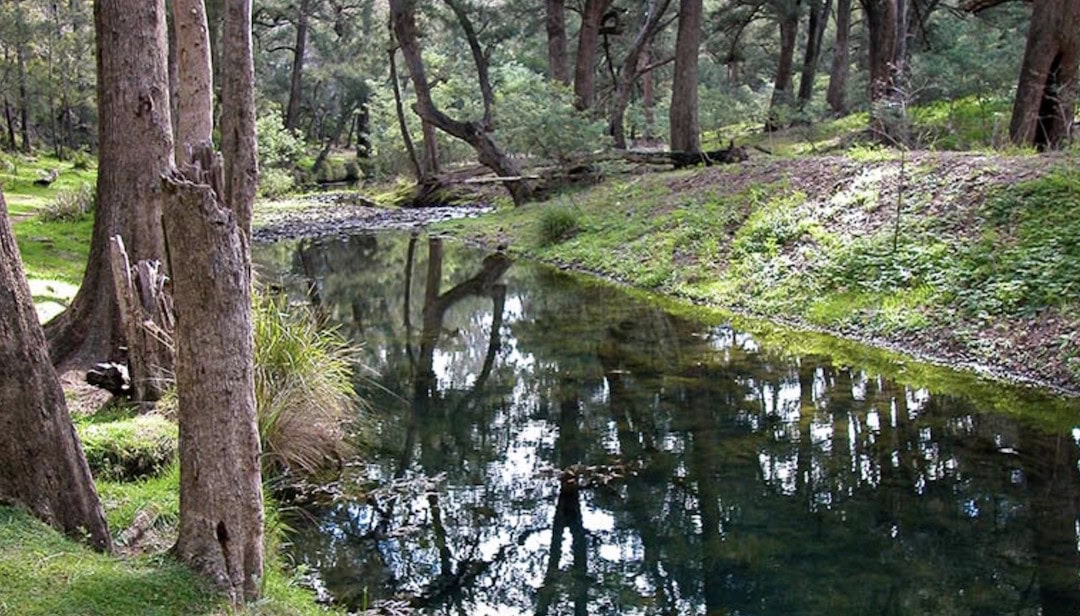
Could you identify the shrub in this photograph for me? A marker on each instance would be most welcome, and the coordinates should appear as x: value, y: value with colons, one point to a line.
x: 70, y: 205
x: 277, y: 146
x: 557, y: 224
x: 82, y: 160
x: 129, y: 449
x: 303, y: 389
x: 275, y: 183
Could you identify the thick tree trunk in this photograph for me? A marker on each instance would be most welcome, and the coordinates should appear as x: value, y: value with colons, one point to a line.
x: 882, y: 30
x: 476, y: 134
x: 208, y: 222
x: 174, y: 66
x: 685, y: 133
x: 584, y: 63
x: 42, y: 466
x: 195, y: 88
x: 819, y: 18
x: 836, y: 95
x: 10, y: 124
x: 1043, y: 110
x: 221, y: 513
x: 135, y: 148
x: 780, y: 102
x: 558, y: 66
x: 296, y: 83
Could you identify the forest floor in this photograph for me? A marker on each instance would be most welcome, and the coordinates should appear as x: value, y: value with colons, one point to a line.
x: 962, y: 259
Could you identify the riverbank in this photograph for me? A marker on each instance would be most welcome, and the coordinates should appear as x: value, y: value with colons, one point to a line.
x: 966, y: 260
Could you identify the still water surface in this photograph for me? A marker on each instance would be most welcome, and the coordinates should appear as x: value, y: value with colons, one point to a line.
x: 553, y: 445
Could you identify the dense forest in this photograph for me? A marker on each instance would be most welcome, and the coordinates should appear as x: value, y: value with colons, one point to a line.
x: 461, y: 80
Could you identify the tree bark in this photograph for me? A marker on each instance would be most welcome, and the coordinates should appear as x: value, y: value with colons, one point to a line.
x: 836, y: 95
x: 221, y: 513
x: 1043, y: 109
x: 558, y: 66
x: 819, y: 19
x: 135, y: 148
x: 403, y: 126
x: 476, y: 133
x: 588, y: 39
x: 20, y: 59
x: 292, y: 114
x: 42, y: 466
x: 238, y: 145
x: 195, y: 88
x: 683, y: 116
x: 781, y: 95
x: 882, y: 30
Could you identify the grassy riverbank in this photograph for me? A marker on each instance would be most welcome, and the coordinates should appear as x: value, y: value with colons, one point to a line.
x: 963, y: 258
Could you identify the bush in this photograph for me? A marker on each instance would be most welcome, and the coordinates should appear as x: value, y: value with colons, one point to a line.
x: 82, y: 160
x: 277, y: 146
x: 303, y: 389
x: 275, y: 183
x: 70, y: 205
x: 557, y: 224
x: 129, y: 449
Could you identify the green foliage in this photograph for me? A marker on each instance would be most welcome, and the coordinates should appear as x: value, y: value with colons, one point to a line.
x: 82, y: 160
x: 1025, y: 260
x: 537, y: 117
x: 303, y: 388
x: 277, y: 146
x: 275, y: 183
x: 557, y: 224
x: 70, y: 205
x: 129, y: 448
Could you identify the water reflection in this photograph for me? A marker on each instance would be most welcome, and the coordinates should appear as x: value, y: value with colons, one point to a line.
x: 552, y: 446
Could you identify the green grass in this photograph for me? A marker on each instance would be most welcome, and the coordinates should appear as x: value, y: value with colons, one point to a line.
x: 17, y: 175
x: 128, y: 448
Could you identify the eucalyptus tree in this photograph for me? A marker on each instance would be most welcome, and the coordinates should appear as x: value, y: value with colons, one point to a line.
x: 135, y: 149
x: 42, y: 466
x: 208, y: 221
x: 836, y: 95
x: 685, y: 132
x: 1043, y: 110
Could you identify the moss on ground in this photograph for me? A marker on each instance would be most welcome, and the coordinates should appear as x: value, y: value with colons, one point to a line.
x: 960, y: 256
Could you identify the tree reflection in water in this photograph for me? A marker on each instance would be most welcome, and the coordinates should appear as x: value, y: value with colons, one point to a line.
x: 550, y: 445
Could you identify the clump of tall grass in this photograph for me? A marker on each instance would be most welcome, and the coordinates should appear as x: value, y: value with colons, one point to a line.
x: 70, y: 205
x: 557, y: 224
x: 303, y: 389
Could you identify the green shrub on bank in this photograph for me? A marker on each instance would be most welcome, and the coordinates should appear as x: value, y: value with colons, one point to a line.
x: 303, y: 389
x: 557, y: 224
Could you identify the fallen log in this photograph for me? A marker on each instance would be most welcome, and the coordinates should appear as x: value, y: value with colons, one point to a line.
x: 728, y: 155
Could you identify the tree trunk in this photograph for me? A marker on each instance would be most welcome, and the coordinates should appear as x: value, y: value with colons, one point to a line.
x: 476, y: 134
x: 781, y: 95
x: 195, y: 88
x: 208, y: 222
x: 648, y: 92
x: 558, y: 66
x: 20, y: 58
x: 430, y: 141
x: 174, y: 66
x: 837, y: 93
x: 135, y: 148
x: 588, y: 38
x: 42, y: 466
x: 628, y: 70
x: 292, y: 114
x: 10, y: 124
x: 685, y: 133
x: 819, y: 19
x: 221, y: 513
x: 403, y: 126
x: 1043, y: 110
x: 881, y: 27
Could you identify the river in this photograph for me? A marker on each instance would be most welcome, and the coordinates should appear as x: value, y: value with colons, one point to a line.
x: 551, y: 444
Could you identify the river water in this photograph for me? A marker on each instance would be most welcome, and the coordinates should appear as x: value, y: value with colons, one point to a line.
x: 550, y: 444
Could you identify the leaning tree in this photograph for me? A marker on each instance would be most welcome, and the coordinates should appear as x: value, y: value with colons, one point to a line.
x: 42, y: 466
